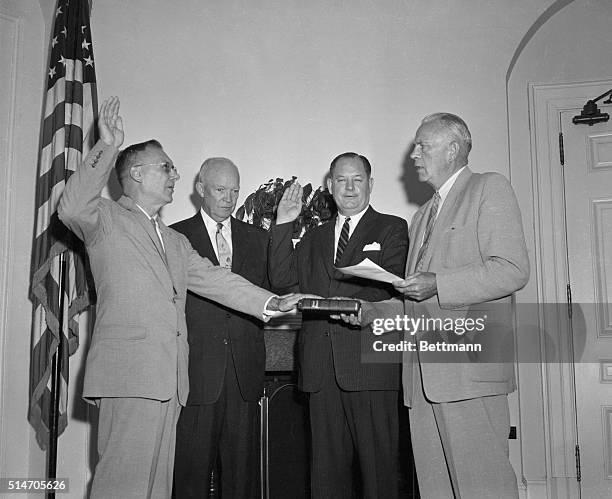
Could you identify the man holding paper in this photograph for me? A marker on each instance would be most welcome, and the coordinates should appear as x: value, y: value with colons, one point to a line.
x: 353, y: 404
x: 468, y: 258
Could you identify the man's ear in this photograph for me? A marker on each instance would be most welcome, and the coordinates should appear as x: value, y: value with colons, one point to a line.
x: 371, y: 182
x: 453, y: 151
x: 329, y: 183
x: 135, y: 173
x: 199, y: 187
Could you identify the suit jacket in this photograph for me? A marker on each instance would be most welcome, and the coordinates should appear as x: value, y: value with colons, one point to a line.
x: 139, y: 344
x: 477, y: 251
x: 311, y: 266
x: 213, y: 328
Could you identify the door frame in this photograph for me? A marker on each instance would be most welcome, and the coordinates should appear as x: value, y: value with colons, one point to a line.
x: 543, y: 185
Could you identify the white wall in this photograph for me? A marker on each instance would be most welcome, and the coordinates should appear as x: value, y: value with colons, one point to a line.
x: 23, y: 60
x: 281, y: 87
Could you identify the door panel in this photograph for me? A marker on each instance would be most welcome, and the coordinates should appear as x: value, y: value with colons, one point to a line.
x: 588, y: 203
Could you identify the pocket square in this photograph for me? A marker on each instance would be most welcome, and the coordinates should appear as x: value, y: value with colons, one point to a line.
x: 372, y: 247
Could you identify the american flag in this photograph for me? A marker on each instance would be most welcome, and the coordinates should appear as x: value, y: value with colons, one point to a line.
x: 67, y: 136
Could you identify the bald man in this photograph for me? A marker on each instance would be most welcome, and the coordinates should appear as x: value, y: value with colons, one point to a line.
x: 227, y: 353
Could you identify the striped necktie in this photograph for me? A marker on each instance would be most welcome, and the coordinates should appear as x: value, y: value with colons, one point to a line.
x: 343, y: 241
x: 428, y: 230
x: 223, y: 249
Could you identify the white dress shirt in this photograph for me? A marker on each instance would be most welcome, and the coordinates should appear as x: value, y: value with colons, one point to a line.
x: 352, y: 224
x: 211, y: 228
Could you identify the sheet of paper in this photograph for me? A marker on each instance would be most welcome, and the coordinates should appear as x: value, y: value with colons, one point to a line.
x: 367, y: 269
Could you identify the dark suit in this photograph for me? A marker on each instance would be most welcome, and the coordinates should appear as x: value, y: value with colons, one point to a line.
x: 226, y: 370
x: 353, y: 404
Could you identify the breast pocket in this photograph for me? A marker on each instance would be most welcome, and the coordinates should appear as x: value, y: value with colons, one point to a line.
x: 460, y: 246
x: 121, y: 332
x: 373, y: 255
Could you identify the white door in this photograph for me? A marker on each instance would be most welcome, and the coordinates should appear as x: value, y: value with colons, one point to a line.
x: 588, y: 211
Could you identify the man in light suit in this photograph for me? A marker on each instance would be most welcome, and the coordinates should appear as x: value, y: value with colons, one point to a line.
x: 227, y: 355
x: 468, y: 257
x: 136, y: 368
x: 353, y: 404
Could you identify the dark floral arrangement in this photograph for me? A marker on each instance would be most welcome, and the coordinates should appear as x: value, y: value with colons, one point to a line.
x: 259, y: 207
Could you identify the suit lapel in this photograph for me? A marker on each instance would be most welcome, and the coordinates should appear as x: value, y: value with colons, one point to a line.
x: 151, y: 234
x: 445, y: 216
x: 240, y: 246
x: 416, y: 238
x: 200, y: 239
x: 145, y: 222
x: 326, y: 247
x: 172, y: 252
x: 357, y: 239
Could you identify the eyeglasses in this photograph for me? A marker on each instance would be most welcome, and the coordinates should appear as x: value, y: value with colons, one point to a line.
x: 167, y: 167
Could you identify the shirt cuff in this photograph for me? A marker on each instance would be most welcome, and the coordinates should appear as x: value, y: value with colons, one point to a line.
x: 268, y: 314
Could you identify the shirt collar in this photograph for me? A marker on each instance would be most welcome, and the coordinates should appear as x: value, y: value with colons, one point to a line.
x: 354, y: 218
x: 211, y: 225
x: 446, y: 186
x: 154, y: 217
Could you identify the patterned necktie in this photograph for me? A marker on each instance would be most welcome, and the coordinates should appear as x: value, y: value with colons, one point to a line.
x: 428, y: 230
x: 159, y: 238
x: 343, y: 241
x: 223, y: 249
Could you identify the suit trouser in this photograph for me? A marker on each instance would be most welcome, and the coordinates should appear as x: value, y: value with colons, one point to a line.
x: 345, y: 423
x: 227, y: 429
x: 136, y: 439
x: 461, y: 448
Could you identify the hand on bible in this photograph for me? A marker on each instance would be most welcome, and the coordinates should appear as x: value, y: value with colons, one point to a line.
x: 287, y: 303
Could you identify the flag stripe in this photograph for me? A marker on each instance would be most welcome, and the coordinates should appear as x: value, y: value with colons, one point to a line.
x: 50, y: 179
x: 67, y: 126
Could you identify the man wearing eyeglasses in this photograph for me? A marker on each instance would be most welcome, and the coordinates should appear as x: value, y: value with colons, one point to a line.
x: 136, y: 370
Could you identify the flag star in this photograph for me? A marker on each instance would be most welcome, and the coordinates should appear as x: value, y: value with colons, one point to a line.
x: 88, y: 61
x: 52, y: 72
x: 83, y: 28
x: 85, y: 45
x: 64, y: 31
x: 54, y: 41
x: 62, y: 60
x: 58, y: 11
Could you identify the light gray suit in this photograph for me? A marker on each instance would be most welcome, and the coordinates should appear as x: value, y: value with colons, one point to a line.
x: 459, y: 416
x: 139, y: 346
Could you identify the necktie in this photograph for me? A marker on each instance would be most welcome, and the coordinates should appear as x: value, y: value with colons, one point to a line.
x: 343, y: 241
x: 161, y: 241
x: 223, y: 249
x: 428, y: 230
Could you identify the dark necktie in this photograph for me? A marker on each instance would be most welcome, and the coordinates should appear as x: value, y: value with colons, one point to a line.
x: 161, y: 242
x: 223, y: 249
x: 343, y: 241
x: 428, y: 230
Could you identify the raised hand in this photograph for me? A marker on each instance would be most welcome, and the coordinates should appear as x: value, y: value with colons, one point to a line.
x: 110, y: 124
x: 290, y: 205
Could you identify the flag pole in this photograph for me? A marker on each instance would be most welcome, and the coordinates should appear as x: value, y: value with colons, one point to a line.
x: 56, y: 373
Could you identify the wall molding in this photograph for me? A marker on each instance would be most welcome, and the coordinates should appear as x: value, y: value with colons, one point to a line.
x: 546, y: 101
x: 12, y: 29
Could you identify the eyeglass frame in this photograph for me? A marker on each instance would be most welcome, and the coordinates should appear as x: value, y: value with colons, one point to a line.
x: 167, y: 169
